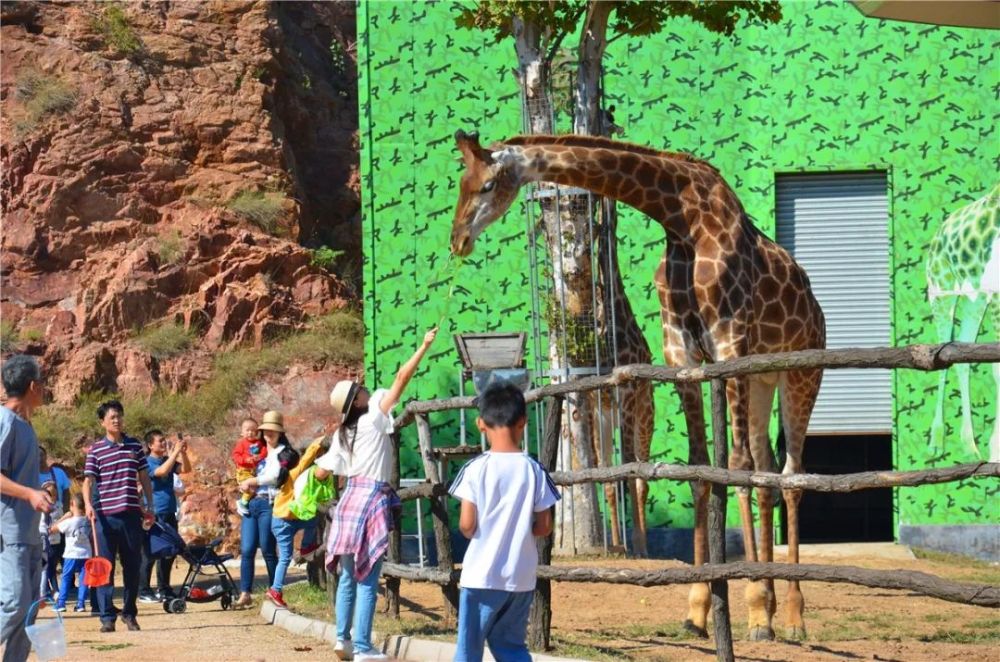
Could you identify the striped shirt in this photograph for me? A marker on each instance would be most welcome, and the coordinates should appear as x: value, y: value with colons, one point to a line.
x: 115, y: 470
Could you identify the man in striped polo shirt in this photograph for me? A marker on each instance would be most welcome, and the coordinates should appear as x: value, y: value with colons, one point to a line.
x: 116, y: 465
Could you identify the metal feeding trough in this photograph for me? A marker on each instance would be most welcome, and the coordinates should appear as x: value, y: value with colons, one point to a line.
x: 492, y: 357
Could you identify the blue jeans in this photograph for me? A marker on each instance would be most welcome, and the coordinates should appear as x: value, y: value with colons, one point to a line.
x: 72, y: 567
x: 499, y: 618
x: 356, y: 604
x: 284, y: 531
x: 20, y: 575
x: 120, y: 535
x: 255, y: 533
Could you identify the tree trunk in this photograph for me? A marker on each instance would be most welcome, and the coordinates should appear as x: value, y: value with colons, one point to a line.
x: 570, y: 310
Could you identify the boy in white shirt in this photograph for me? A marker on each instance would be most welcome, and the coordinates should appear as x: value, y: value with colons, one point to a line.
x: 507, y: 499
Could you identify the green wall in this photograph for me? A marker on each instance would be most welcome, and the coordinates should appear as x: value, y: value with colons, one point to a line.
x: 827, y: 89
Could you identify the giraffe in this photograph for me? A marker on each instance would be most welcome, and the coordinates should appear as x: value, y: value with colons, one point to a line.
x: 963, y: 283
x: 725, y: 291
x: 636, y: 410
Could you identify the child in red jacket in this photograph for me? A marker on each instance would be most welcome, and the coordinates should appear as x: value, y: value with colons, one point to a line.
x: 249, y: 452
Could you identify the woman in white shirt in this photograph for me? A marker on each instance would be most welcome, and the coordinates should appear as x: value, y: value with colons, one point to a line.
x: 359, y: 532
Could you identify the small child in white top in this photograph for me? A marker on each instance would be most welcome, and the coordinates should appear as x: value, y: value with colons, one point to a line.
x: 76, y: 527
x: 507, y: 500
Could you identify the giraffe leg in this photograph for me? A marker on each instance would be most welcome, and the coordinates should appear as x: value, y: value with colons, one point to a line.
x: 699, y: 597
x: 943, y: 309
x: 637, y: 432
x: 798, y: 396
x: 604, y: 452
x: 971, y: 314
x: 760, y: 594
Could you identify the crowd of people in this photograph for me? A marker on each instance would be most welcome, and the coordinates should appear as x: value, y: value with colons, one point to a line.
x: 506, y: 499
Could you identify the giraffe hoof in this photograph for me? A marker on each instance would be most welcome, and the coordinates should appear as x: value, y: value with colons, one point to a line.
x: 796, y: 632
x: 761, y: 633
x: 695, y: 630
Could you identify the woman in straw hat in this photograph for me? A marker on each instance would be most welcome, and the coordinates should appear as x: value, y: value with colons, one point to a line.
x: 359, y: 532
x: 255, y: 530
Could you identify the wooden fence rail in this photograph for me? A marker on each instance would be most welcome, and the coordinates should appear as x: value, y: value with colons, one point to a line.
x: 865, y: 480
x: 980, y: 595
x: 916, y: 357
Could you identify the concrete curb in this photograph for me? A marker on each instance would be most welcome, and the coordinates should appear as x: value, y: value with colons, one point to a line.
x: 401, y: 646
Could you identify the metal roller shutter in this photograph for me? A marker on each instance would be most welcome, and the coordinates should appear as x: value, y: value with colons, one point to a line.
x: 837, y: 227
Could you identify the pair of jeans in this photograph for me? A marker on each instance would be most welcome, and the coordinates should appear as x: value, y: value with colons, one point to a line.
x: 284, y: 531
x: 71, y: 568
x: 163, y: 565
x: 52, y: 564
x: 120, y: 535
x: 498, y: 618
x: 20, y: 575
x: 255, y: 533
x: 356, y: 604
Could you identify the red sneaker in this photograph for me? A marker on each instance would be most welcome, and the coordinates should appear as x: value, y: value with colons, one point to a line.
x: 275, y: 597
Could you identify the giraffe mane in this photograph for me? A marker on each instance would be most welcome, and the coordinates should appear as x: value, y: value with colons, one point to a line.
x: 573, y: 140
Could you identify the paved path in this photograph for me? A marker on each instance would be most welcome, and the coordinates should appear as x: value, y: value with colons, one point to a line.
x: 203, y: 632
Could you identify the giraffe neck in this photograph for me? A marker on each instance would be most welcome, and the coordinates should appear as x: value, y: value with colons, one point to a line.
x: 671, y: 188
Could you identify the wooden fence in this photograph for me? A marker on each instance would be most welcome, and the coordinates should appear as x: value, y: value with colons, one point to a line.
x: 717, y: 572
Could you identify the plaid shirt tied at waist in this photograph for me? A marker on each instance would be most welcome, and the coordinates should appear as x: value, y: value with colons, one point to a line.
x: 361, y: 524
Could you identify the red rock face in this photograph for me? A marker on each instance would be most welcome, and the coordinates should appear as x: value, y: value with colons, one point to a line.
x: 115, y: 209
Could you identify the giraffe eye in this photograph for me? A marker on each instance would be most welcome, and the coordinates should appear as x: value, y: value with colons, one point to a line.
x: 488, y: 186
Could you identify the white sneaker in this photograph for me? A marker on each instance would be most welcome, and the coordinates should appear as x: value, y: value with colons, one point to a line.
x: 373, y: 654
x: 344, y: 650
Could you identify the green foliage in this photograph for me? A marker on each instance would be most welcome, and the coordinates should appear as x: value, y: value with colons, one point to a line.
x: 170, y: 247
x: 32, y: 335
x: 307, y: 82
x: 264, y: 210
x: 338, y: 58
x: 41, y: 95
x: 165, y: 340
x: 325, y: 257
x: 118, y: 32
x: 629, y: 17
x: 8, y: 336
x: 334, y: 339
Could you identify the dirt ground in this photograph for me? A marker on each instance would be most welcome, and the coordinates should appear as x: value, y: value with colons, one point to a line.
x: 614, y: 622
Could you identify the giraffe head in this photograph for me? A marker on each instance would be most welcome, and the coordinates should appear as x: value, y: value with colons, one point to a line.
x: 486, y: 190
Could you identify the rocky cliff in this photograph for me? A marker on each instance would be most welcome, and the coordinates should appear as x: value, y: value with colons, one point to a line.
x: 178, y: 179
x: 170, y: 165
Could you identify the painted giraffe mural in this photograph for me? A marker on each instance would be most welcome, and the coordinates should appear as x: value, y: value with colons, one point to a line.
x: 725, y: 291
x: 963, y: 284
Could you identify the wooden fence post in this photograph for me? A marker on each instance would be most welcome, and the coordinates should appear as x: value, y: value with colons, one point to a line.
x: 540, y: 616
x: 395, y: 537
x: 439, y: 513
x: 717, y: 527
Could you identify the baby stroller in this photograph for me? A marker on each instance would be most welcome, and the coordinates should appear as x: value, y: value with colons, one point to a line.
x: 165, y: 541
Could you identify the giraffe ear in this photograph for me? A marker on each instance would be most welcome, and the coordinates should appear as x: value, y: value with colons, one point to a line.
x: 468, y: 145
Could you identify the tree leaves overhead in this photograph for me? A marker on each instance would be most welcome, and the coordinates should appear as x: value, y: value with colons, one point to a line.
x: 630, y: 17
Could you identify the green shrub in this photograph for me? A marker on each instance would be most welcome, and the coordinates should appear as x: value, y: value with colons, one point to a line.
x: 170, y: 247
x: 165, y: 340
x: 41, y: 95
x: 325, y: 257
x: 118, y: 32
x: 32, y: 335
x: 335, y: 339
x: 8, y: 336
x: 264, y: 210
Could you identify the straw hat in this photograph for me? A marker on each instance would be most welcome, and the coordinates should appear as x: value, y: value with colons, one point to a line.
x: 342, y: 395
x: 273, y: 420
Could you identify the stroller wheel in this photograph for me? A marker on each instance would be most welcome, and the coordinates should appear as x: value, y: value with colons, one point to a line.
x: 226, y: 601
x: 166, y: 606
x: 177, y: 606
